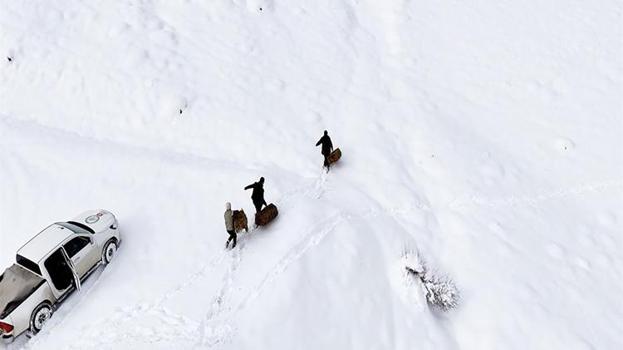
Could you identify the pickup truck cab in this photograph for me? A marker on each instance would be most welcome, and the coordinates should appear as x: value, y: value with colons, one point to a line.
x: 51, y: 266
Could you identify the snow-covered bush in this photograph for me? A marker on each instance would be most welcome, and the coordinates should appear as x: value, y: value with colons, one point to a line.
x: 441, y: 292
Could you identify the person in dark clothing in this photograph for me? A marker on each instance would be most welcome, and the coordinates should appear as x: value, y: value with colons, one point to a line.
x: 258, y: 194
x: 327, y: 148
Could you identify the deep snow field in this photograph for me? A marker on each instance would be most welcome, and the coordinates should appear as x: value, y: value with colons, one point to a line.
x: 488, y: 135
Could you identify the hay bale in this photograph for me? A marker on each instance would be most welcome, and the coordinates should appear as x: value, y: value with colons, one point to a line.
x: 266, y: 215
x: 334, y: 156
x: 240, y: 221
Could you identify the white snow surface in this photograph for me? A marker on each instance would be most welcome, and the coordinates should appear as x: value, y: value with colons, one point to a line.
x: 485, y: 134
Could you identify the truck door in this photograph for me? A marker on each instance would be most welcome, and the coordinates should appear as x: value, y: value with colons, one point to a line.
x: 61, y: 273
x: 81, y: 250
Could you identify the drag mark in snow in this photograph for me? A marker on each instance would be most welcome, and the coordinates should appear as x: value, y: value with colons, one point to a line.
x: 214, y: 328
x: 194, y: 277
x: 314, y: 190
x: 311, y: 240
x: 317, y: 234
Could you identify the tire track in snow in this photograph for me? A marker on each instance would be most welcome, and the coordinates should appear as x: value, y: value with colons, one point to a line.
x: 177, y: 157
x: 534, y: 200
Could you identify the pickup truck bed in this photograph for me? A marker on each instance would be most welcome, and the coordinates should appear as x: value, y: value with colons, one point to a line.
x: 16, y: 285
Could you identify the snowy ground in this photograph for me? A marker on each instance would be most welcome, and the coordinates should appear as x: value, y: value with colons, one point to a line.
x: 488, y: 135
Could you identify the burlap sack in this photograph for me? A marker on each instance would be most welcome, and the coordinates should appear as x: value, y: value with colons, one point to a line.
x: 335, y: 156
x: 266, y: 215
x: 240, y: 221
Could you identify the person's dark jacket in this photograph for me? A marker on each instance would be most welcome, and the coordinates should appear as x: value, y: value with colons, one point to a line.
x: 258, y: 192
x: 327, y: 145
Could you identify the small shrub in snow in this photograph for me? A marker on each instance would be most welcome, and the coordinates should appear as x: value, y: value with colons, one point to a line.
x: 441, y: 292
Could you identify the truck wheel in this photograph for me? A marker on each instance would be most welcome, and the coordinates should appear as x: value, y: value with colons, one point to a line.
x: 39, y: 317
x: 110, y: 250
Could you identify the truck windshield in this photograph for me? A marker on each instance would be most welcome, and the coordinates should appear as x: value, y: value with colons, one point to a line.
x: 76, y: 227
x: 28, y: 264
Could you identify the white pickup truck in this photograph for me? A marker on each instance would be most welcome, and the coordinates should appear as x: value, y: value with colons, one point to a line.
x: 51, y: 266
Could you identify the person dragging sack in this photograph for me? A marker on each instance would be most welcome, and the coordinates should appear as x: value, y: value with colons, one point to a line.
x: 258, y: 194
x: 326, y: 149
